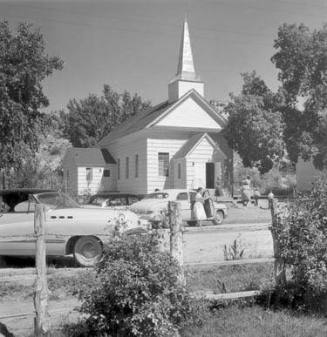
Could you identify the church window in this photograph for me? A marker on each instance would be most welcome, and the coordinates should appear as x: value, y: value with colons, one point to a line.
x: 127, y: 168
x: 118, y: 168
x: 136, y: 166
x: 89, y: 175
x: 163, y: 163
x: 179, y: 169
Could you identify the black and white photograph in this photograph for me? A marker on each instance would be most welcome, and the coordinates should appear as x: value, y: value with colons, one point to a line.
x: 163, y: 168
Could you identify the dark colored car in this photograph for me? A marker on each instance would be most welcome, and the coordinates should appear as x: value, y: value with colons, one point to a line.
x: 114, y: 199
x: 10, y: 198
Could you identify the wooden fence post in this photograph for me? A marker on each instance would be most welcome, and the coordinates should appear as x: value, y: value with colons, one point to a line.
x: 279, y: 264
x: 176, y: 235
x: 41, y: 287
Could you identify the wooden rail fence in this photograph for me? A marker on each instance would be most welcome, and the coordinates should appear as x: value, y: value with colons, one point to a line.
x: 41, y: 312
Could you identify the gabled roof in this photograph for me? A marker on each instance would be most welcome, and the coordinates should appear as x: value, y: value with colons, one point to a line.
x: 90, y: 156
x: 151, y: 116
x: 136, y: 123
x: 192, y: 144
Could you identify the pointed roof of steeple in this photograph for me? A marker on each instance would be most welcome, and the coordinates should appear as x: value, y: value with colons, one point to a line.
x: 185, y: 68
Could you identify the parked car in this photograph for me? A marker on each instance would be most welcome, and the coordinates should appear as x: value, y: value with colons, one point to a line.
x: 70, y: 228
x: 113, y: 199
x: 155, y: 204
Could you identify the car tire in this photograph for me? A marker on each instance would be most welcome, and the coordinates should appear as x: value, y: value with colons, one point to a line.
x: 219, y: 218
x: 88, y: 251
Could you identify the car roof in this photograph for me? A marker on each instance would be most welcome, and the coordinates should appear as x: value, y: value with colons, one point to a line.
x: 113, y: 194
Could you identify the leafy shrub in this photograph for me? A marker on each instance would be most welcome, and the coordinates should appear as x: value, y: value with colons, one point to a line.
x: 302, y: 236
x: 138, y: 293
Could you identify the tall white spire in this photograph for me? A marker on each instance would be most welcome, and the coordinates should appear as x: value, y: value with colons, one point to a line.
x: 186, y: 78
x: 185, y: 68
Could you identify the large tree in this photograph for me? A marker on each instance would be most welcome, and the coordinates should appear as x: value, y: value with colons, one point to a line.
x: 295, y: 114
x: 301, y: 59
x: 23, y: 65
x: 90, y: 119
x: 255, y: 125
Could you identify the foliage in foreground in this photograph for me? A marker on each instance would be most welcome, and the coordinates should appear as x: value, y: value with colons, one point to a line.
x: 302, y: 234
x: 138, y: 293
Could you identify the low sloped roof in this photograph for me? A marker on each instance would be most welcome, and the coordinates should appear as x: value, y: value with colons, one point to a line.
x: 90, y: 156
x: 150, y: 117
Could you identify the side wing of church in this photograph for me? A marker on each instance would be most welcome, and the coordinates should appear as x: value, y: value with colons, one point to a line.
x: 176, y: 144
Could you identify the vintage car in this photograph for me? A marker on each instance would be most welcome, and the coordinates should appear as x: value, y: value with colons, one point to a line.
x: 70, y: 228
x: 113, y: 199
x: 155, y: 204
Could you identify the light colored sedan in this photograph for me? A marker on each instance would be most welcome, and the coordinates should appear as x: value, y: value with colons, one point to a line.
x: 155, y: 204
x: 70, y: 228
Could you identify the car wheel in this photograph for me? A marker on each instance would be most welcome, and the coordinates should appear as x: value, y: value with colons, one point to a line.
x: 87, y: 251
x: 219, y: 218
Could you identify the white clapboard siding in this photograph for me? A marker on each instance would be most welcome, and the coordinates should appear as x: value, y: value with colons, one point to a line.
x: 109, y: 183
x: 182, y: 181
x: 129, y: 147
x: 70, y: 175
x: 94, y: 185
x: 154, y: 146
x: 189, y: 114
x: 196, y: 164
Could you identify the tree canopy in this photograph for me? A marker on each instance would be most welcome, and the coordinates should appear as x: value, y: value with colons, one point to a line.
x: 23, y: 65
x: 88, y: 120
x: 254, y: 128
x: 295, y: 113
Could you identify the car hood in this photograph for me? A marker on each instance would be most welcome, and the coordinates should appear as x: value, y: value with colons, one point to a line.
x: 149, y: 205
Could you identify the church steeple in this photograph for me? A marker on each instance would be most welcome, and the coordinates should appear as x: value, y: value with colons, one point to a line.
x: 186, y: 77
x: 185, y: 69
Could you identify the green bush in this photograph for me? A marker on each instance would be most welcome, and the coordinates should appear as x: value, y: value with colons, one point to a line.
x: 138, y: 293
x: 302, y: 235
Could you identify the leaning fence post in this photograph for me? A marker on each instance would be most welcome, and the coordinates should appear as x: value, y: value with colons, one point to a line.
x: 176, y: 235
x: 279, y: 264
x: 41, y: 287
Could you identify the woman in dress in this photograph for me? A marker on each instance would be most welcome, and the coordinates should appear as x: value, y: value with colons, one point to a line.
x: 198, y: 209
x: 246, y: 191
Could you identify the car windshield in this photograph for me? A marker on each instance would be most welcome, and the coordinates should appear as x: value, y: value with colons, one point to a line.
x: 56, y: 200
x: 158, y: 195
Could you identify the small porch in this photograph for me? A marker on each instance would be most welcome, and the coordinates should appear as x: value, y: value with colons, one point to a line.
x: 199, y: 163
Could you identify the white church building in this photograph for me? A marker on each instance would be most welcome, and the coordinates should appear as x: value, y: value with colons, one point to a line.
x: 175, y: 144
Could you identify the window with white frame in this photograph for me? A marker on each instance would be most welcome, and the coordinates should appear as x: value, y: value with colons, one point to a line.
x: 163, y: 164
x: 89, y: 175
x: 136, y: 166
x: 127, y: 168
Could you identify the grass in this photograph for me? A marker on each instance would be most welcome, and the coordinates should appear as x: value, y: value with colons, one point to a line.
x: 216, y: 279
x: 60, y: 286
x: 254, y: 321
x: 231, y: 278
x: 231, y: 320
x: 250, y: 321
